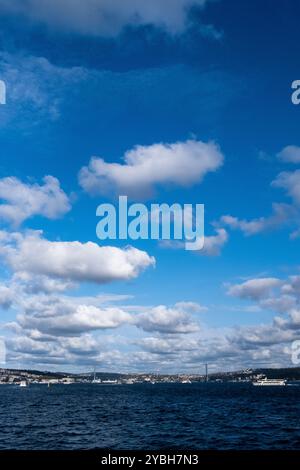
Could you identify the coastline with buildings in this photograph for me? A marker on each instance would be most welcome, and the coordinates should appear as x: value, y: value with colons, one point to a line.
x: 33, y: 377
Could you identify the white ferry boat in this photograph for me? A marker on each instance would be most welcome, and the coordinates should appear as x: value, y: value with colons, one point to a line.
x: 109, y: 382
x: 23, y: 383
x: 270, y: 382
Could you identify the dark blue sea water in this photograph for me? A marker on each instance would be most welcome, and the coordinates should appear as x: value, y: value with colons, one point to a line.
x: 179, y: 416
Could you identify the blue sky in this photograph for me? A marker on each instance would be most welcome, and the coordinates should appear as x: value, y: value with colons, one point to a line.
x: 98, y: 78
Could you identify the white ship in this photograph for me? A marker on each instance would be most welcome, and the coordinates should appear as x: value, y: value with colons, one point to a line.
x: 109, y: 382
x: 270, y: 382
x: 23, y: 383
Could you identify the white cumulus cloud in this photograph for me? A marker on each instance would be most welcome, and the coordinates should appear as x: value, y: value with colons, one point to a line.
x: 254, y: 288
x: 290, y: 181
x: 103, y: 17
x: 213, y: 244
x: 83, y: 318
x: 6, y: 297
x: 290, y: 154
x: 282, y: 214
x: 145, y: 167
x: 74, y: 261
x: 167, y: 320
x: 20, y: 201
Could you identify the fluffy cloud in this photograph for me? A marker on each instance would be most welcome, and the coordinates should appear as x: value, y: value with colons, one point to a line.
x: 191, y: 351
x: 37, y: 89
x: 168, y: 320
x: 103, y: 17
x: 282, y: 213
x: 254, y: 288
x: 83, y: 345
x: 290, y: 154
x: 290, y: 181
x: 292, y: 285
x: 59, y: 329
x: 255, y: 337
x: 34, y: 284
x: 182, y: 164
x: 214, y: 243
x: 56, y: 350
x: 83, y: 318
x: 26, y: 345
x: 281, y: 296
x: 20, y: 201
x: 279, y: 304
x: 44, y: 314
x: 292, y: 323
x: 74, y: 261
x: 169, y: 345
x: 56, y: 329
x: 171, y: 353
x: 6, y: 296
x: 44, y: 317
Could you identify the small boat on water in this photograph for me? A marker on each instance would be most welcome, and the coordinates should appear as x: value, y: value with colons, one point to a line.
x: 23, y: 383
x: 269, y: 382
